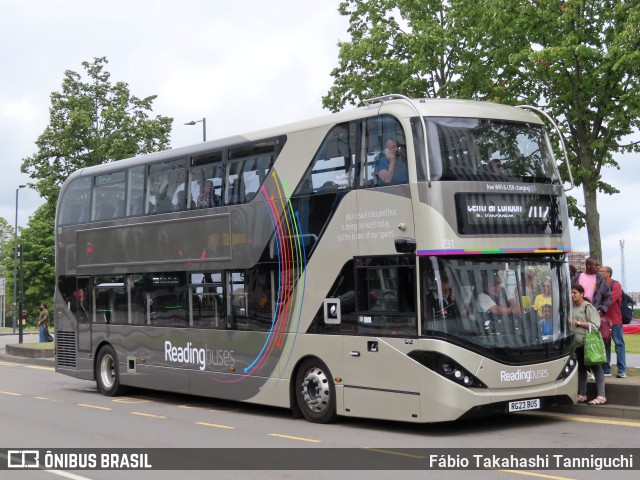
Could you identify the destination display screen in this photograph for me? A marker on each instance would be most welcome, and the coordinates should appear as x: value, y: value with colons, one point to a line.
x: 515, y: 214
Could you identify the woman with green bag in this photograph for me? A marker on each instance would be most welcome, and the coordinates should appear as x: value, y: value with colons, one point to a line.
x: 584, y: 314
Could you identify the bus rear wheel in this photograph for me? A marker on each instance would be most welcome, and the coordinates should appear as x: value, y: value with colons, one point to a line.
x: 315, y: 391
x: 107, y: 372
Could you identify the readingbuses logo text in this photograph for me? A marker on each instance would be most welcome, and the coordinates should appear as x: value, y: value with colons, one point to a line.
x: 192, y: 355
x: 526, y: 375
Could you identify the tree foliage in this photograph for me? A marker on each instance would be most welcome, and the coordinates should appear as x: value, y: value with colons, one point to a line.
x: 38, y: 262
x: 91, y: 122
x: 421, y: 48
x: 6, y: 245
x: 578, y: 59
x: 582, y: 63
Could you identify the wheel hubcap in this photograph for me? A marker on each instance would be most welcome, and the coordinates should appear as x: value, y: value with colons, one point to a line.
x: 315, y: 390
x: 107, y: 371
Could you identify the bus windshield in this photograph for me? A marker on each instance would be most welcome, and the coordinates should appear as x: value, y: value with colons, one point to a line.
x: 498, y: 305
x: 491, y: 150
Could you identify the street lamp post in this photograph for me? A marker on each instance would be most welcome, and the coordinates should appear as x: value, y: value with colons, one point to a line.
x: 15, y: 263
x: 204, y: 127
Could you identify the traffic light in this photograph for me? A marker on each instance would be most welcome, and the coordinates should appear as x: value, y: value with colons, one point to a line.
x: 24, y: 317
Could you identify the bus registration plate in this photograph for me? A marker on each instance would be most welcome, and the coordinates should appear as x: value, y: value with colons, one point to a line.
x: 521, y: 405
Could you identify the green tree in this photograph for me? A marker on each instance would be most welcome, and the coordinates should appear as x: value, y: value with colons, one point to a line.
x: 38, y: 261
x: 6, y: 234
x: 92, y: 122
x: 577, y: 59
x: 420, y: 48
x: 582, y: 64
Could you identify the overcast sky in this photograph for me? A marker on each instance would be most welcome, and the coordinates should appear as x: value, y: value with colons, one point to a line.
x: 242, y: 64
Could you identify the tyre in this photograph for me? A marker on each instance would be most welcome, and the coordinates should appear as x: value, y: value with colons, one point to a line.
x: 107, y: 372
x: 315, y: 391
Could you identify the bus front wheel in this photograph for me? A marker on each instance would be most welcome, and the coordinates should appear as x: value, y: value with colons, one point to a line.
x: 315, y: 391
x: 107, y: 372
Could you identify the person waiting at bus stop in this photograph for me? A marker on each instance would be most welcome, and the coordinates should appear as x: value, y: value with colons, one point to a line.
x: 584, y: 315
x: 615, y: 317
x: 43, y: 323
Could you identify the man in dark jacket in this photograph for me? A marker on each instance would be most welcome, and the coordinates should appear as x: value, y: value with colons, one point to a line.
x: 595, y: 285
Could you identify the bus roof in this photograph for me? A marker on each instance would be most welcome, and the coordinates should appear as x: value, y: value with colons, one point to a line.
x: 430, y: 107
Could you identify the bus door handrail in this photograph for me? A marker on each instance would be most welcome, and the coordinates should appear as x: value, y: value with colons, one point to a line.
x: 563, y: 145
x: 397, y: 96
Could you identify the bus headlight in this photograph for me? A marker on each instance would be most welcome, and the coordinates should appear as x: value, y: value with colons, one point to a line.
x: 447, y: 368
x: 569, y: 366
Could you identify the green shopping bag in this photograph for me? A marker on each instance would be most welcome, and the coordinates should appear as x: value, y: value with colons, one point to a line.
x: 594, y: 351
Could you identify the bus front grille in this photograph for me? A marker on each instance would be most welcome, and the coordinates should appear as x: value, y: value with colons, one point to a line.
x: 66, y: 349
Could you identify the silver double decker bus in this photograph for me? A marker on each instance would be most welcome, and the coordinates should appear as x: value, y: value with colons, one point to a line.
x: 403, y: 261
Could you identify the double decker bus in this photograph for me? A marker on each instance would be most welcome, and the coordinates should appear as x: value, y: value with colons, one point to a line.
x: 310, y: 268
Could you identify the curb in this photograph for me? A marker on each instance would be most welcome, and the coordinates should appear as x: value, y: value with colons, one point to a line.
x: 28, y: 352
x: 625, y: 412
x: 46, y: 362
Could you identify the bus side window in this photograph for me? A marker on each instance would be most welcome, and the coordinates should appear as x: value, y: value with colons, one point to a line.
x: 333, y: 164
x: 205, y: 181
x: 379, y: 131
x: 75, y: 201
x: 385, y: 290
x: 247, y: 169
x: 164, y: 183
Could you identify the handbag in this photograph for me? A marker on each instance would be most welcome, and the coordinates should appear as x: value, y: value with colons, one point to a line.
x: 605, y: 329
x: 594, y: 351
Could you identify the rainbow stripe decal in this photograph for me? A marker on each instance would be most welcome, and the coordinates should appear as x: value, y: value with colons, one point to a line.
x: 493, y: 251
x: 291, y: 281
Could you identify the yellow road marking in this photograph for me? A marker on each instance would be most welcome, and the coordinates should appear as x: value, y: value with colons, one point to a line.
x: 49, y: 399
x: 9, y: 364
x: 130, y: 400
x: 533, y: 474
x: 391, y: 452
x: 11, y: 393
x: 215, y: 425
x: 301, y: 439
x: 197, y: 407
x: 147, y: 415
x: 575, y: 418
x: 94, y: 406
x: 39, y: 367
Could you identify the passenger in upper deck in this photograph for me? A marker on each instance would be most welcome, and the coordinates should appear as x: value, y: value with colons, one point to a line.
x: 207, y: 198
x: 163, y: 200
x: 391, y: 167
x: 495, y: 166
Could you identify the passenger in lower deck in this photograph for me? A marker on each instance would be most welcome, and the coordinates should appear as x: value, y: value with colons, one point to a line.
x: 442, y: 303
x: 493, y: 298
x: 546, y: 320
